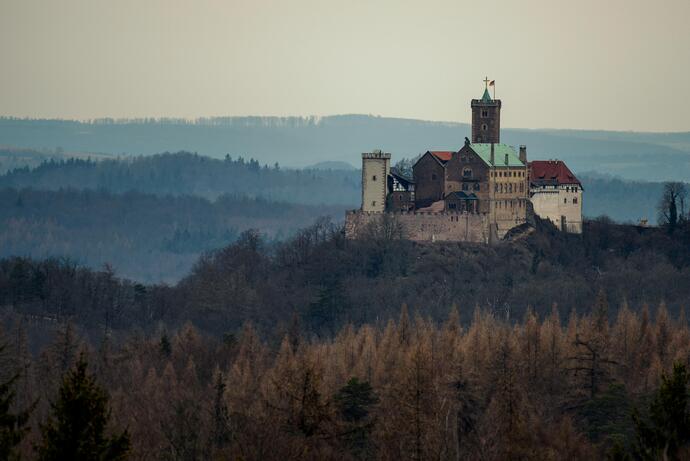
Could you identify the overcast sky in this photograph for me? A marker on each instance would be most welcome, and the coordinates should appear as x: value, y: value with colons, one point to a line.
x: 601, y: 64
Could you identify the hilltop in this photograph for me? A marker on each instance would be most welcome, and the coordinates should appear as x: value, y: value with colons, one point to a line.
x: 302, y: 141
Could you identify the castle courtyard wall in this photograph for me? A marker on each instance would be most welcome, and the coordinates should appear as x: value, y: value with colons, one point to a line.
x: 424, y: 226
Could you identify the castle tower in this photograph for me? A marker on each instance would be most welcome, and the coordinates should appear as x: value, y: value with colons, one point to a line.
x: 375, y: 170
x: 486, y: 118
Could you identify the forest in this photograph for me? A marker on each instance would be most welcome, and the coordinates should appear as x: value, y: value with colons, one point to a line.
x: 549, y: 347
x: 149, y: 238
x: 150, y: 218
x: 610, y: 383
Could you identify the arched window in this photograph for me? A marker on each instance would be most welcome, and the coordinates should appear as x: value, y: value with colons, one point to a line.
x: 484, y: 127
x: 467, y: 173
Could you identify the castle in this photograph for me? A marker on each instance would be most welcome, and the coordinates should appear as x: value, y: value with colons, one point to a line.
x: 476, y: 194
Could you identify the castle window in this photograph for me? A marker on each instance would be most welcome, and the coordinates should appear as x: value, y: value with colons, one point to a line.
x: 575, y: 201
x: 510, y: 188
x: 452, y: 206
x: 373, y: 203
x: 373, y: 178
x: 565, y: 200
x: 464, y: 186
x: 485, y: 113
x: 476, y: 186
x: 496, y: 187
x: 467, y: 173
x: 522, y: 187
x: 484, y: 127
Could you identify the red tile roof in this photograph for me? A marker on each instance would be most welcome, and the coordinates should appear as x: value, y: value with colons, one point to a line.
x: 551, y: 171
x: 443, y: 155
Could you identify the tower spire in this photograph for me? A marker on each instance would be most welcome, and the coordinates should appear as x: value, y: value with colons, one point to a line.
x: 486, y: 97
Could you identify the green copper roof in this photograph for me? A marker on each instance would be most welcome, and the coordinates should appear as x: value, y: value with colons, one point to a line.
x: 486, y: 97
x: 500, y: 151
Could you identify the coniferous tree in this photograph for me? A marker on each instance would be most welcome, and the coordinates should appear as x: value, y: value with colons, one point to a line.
x: 76, y: 429
x: 13, y: 426
x: 666, y: 435
x: 354, y: 402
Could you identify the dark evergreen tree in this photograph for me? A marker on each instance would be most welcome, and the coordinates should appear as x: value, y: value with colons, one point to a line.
x: 13, y: 426
x: 76, y: 429
x: 165, y: 346
x: 666, y: 433
x: 221, y: 415
x: 354, y: 402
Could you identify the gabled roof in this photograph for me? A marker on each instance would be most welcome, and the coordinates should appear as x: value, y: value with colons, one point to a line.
x: 461, y: 195
x: 442, y: 155
x: 551, y: 172
x: 483, y: 150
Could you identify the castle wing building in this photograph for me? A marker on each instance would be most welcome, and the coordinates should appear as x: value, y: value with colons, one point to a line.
x: 556, y: 194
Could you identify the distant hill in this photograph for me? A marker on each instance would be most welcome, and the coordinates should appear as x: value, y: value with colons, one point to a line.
x: 302, y: 141
x: 16, y: 157
x: 333, y: 165
x: 144, y: 237
x: 184, y: 173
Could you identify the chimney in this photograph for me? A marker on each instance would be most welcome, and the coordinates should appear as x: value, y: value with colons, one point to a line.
x: 523, y: 154
x: 492, y: 154
x: 467, y: 141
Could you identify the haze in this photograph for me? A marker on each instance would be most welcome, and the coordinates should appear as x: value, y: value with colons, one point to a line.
x: 615, y: 65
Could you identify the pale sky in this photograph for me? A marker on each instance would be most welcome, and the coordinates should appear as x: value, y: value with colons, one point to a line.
x: 600, y: 64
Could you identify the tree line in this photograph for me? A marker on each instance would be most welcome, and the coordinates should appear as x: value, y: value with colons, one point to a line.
x: 330, y: 281
x: 145, y: 237
x: 559, y: 386
x: 185, y: 173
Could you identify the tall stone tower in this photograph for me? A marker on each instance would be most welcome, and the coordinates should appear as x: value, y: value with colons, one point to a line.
x: 376, y: 166
x: 486, y: 118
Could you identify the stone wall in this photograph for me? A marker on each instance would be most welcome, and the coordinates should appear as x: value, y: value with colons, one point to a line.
x: 423, y: 227
x: 562, y: 205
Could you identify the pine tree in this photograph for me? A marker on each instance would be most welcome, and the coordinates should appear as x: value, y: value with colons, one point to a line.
x: 76, y: 429
x: 354, y: 402
x: 221, y: 415
x: 13, y: 426
x: 667, y: 433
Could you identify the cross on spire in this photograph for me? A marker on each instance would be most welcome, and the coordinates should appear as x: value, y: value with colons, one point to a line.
x: 486, y: 83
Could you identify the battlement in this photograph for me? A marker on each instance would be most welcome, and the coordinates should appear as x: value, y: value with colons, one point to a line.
x: 492, y: 103
x: 413, y: 213
x: 376, y: 154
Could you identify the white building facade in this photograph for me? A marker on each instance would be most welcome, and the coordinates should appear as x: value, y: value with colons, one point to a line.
x: 556, y: 194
